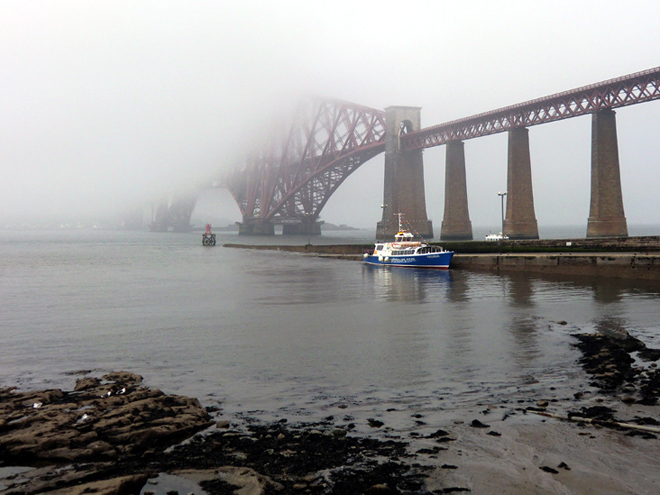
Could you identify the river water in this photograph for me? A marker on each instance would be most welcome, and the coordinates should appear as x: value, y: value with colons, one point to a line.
x: 269, y: 334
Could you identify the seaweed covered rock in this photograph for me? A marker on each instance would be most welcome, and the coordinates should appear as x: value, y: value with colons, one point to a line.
x: 608, y: 358
x: 101, y: 420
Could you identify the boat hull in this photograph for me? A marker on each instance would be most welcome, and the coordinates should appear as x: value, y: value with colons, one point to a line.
x: 439, y: 261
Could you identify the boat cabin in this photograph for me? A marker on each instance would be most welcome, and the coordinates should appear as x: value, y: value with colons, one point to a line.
x: 402, y: 236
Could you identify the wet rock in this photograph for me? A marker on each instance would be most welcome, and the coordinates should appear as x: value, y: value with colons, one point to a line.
x: 600, y: 413
x: 125, y: 437
x: 563, y: 465
x: 431, y: 451
x: 82, y: 426
x: 607, y: 358
x: 247, y: 480
x: 548, y: 469
x: 339, y: 432
x: 124, y: 484
x: 478, y: 424
x: 86, y: 383
x: 374, y: 423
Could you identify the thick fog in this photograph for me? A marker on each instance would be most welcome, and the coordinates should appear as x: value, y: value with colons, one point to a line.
x: 108, y: 106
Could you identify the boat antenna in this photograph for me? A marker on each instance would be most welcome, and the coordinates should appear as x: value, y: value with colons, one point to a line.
x: 410, y: 227
x: 399, y: 215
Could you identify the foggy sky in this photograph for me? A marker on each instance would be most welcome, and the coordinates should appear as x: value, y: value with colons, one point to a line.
x: 105, y: 105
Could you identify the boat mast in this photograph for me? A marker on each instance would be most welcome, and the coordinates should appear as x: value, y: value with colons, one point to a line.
x: 400, y: 223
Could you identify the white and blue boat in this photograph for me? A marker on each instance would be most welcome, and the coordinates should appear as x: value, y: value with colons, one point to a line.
x: 408, y: 252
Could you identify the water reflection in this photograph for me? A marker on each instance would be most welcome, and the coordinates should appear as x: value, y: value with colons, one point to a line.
x: 607, y: 293
x: 458, y: 291
x: 520, y: 290
x: 524, y: 330
x: 406, y: 284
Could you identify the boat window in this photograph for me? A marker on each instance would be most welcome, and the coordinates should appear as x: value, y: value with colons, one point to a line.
x: 379, y: 247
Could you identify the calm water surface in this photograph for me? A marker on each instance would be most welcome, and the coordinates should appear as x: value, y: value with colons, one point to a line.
x: 272, y: 334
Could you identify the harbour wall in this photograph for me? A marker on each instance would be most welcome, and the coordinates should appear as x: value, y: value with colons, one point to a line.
x: 615, y: 265
x: 629, y: 258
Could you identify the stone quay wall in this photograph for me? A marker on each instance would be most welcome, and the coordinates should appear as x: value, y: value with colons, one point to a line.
x: 622, y: 257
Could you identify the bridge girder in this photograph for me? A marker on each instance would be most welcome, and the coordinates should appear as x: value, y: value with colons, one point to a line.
x: 613, y: 93
x: 305, y: 161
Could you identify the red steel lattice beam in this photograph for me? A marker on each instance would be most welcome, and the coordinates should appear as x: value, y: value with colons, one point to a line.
x: 295, y: 175
x: 622, y: 91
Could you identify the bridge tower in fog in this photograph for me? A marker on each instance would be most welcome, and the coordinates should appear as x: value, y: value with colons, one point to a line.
x: 404, y: 177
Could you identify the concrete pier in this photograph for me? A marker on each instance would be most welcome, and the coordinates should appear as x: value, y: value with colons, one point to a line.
x: 456, y: 224
x: 404, y: 178
x: 302, y: 229
x: 520, y: 221
x: 606, y: 216
x: 256, y: 228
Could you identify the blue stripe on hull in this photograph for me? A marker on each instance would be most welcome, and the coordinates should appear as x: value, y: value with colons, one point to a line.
x: 432, y: 260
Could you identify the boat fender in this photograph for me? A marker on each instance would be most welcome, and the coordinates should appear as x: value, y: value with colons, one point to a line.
x: 387, y: 258
x: 380, y: 258
x: 365, y: 256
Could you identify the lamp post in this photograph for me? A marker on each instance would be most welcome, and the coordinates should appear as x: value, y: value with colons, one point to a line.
x: 501, y: 195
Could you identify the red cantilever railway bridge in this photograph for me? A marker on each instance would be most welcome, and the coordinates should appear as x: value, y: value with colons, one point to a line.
x: 291, y: 179
x: 614, y: 93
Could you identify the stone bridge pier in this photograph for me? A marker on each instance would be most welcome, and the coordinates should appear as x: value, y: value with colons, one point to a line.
x: 520, y: 221
x: 606, y: 216
x: 404, y: 178
x: 456, y: 224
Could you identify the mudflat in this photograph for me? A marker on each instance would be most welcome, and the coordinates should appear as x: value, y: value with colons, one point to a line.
x: 114, y: 435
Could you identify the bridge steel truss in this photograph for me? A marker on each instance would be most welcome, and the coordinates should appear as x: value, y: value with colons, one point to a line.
x: 614, y: 93
x: 292, y: 178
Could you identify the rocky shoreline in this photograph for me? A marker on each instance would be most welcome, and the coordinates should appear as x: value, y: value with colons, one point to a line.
x: 114, y: 435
